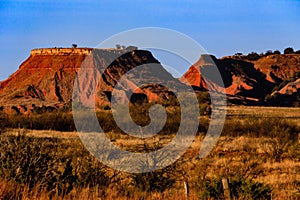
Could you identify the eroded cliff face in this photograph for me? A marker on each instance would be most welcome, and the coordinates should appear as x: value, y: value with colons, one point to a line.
x: 245, y: 81
x: 134, y: 76
x: 240, y: 78
x: 47, y: 77
x: 40, y: 79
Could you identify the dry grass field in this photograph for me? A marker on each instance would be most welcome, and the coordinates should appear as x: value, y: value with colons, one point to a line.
x: 258, y: 153
x: 290, y: 113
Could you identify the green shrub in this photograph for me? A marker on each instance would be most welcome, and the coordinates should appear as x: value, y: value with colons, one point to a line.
x: 240, y: 188
x: 249, y: 189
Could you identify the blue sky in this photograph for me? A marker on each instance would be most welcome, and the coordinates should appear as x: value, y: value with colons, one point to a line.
x: 222, y: 27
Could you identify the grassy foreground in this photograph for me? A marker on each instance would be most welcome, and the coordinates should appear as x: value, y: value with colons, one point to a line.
x: 258, y: 152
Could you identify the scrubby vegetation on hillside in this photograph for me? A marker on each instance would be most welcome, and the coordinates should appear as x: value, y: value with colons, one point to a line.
x: 255, y: 56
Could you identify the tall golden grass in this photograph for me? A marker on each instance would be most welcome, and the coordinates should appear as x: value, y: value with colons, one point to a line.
x: 258, y: 155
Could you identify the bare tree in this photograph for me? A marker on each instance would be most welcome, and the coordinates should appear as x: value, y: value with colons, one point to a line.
x: 118, y: 46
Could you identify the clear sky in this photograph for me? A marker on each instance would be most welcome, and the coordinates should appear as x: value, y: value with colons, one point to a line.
x: 222, y: 27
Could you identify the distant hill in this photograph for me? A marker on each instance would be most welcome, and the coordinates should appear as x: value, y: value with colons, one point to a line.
x: 251, y: 82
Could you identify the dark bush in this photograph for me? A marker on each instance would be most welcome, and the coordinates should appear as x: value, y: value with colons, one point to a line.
x: 41, y: 163
x: 106, y: 107
x: 253, y: 56
x: 47, y: 121
x: 289, y: 50
x: 277, y: 52
x: 240, y: 188
x: 269, y: 52
x: 275, y: 67
x: 157, y: 181
x: 238, y: 54
x: 28, y: 161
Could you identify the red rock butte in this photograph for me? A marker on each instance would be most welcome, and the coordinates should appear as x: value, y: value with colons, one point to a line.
x: 46, y: 77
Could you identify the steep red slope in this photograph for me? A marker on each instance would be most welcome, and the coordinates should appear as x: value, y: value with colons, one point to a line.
x: 41, y: 78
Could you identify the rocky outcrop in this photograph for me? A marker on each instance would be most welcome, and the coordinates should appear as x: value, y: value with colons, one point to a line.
x: 62, y: 51
x: 288, y: 95
x: 136, y: 72
x: 290, y: 88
